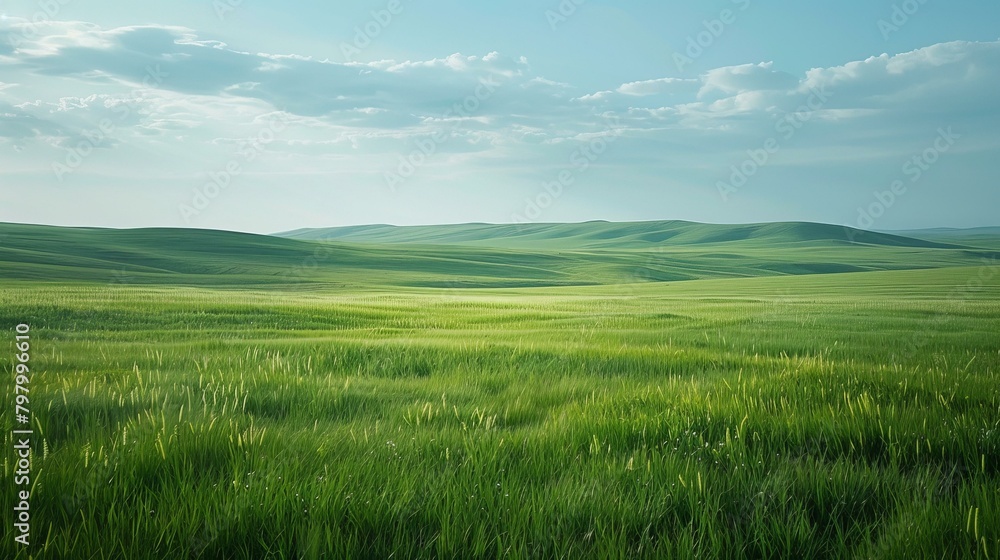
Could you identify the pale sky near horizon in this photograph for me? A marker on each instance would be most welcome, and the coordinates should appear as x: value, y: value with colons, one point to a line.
x: 254, y: 115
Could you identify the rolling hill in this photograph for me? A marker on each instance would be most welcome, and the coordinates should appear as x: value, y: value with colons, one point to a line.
x: 475, y: 255
x: 987, y: 237
x: 608, y: 235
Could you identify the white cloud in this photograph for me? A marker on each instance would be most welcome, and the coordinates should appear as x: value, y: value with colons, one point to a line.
x: 661, y: 86
x: 215, y: 97
x: 746, y: 78
x: 954, y: 78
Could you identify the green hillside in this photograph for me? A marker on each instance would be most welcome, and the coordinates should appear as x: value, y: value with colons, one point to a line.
x: 460, y: 256
x: 608, y: 235
x: 988, y: 237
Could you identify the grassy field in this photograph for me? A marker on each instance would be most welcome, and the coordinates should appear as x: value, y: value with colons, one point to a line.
x: 825, y: 416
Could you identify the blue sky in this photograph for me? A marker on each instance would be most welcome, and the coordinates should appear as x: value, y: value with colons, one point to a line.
x: 256, y: 116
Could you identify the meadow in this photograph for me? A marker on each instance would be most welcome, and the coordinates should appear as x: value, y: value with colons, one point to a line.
x: 825, y: 416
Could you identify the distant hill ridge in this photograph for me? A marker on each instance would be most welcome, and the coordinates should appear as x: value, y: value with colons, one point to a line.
x: 463, y: 256
x: 609, y: 235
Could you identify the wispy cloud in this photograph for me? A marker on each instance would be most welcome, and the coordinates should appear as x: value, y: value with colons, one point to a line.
x: 346, y: 117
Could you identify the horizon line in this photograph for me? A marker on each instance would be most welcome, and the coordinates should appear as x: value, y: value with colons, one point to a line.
x: 499, y: 224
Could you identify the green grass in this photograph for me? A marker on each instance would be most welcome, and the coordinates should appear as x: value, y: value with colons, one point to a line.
x: 830, y: 416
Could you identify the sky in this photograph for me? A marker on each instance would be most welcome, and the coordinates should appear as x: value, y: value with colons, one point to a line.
x: 260, y: 116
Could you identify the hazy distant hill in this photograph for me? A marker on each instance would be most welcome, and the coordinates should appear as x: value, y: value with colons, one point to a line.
x: 988, y: 237
x: 607, y: 235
